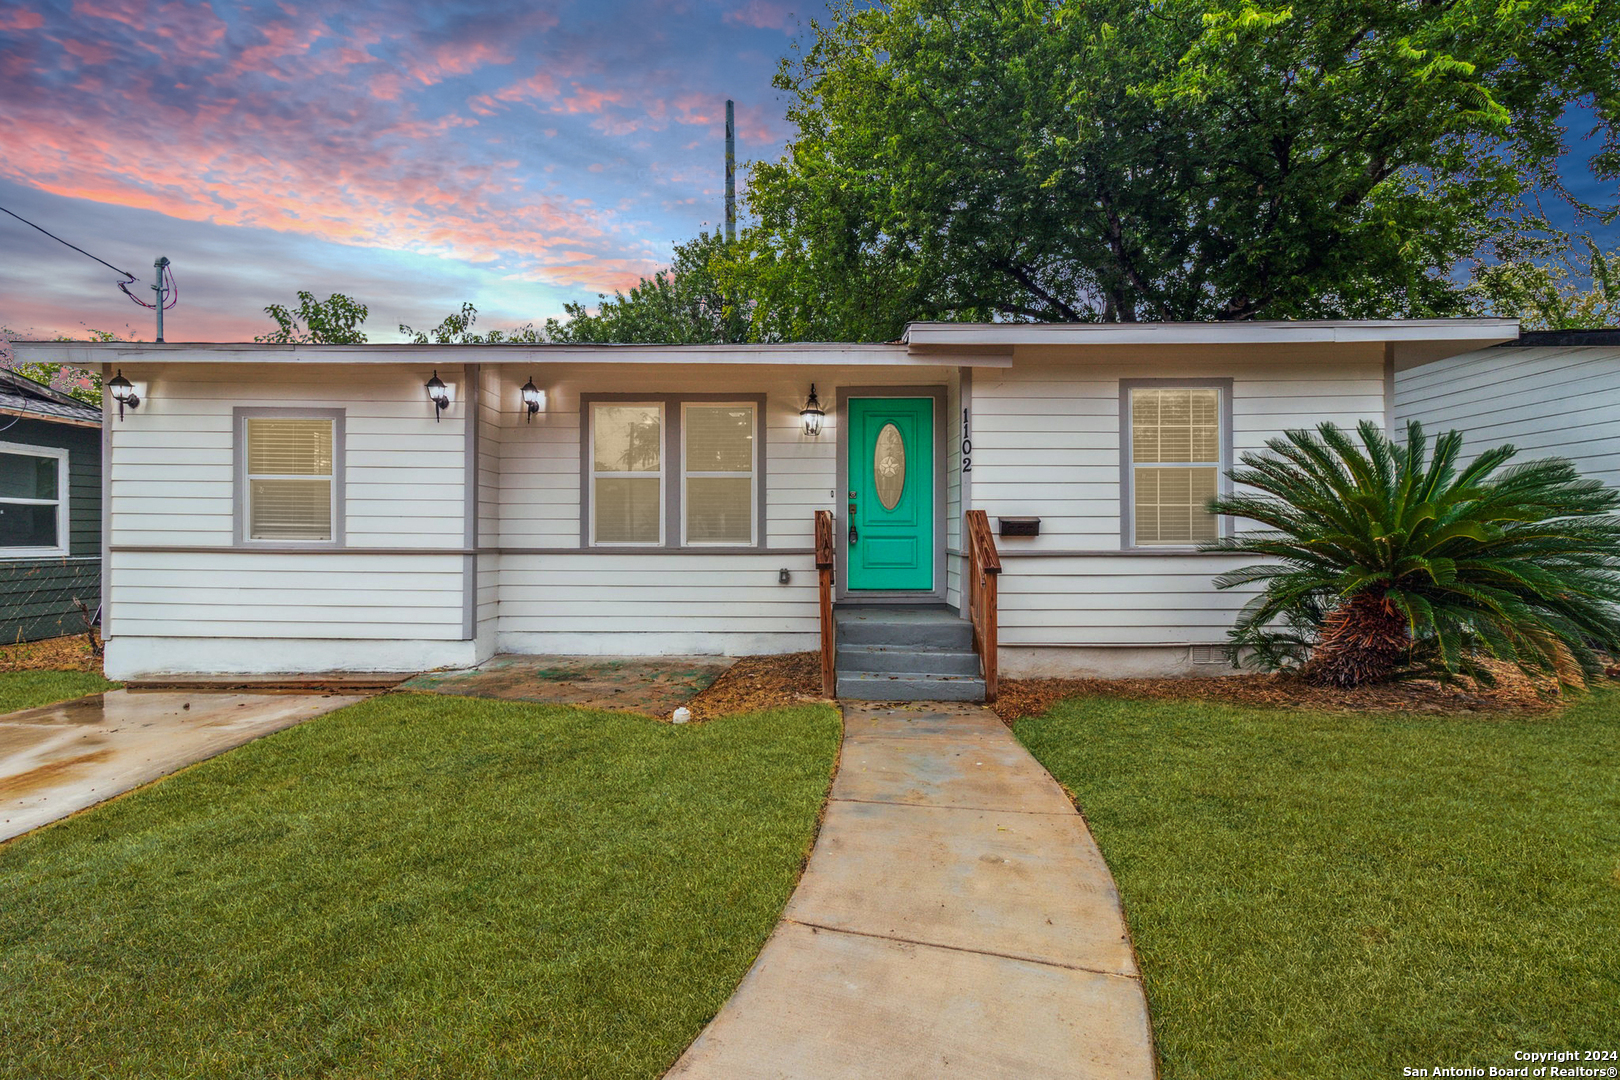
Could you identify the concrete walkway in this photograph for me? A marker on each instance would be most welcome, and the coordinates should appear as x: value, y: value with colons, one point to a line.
x: 57, y: 759
x: 955, y: 920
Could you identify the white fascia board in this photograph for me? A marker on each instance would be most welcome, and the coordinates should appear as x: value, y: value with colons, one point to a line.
x: 1468, y: 332
x: 84, y: 354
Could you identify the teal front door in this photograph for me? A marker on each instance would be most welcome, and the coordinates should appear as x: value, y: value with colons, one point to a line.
x: 891, y: 494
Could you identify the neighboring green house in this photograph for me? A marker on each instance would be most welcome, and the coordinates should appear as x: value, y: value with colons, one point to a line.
x: 50, y: 510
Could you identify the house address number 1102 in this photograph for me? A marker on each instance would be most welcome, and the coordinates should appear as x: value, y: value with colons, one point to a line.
x: 967, y: 444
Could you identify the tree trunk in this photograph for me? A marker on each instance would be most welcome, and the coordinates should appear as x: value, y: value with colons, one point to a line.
x: 1365, y: 640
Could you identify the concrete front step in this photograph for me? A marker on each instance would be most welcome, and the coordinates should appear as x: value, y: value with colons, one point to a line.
x: 927, y: 626
x: 908, y: 686
x: 920, y: 658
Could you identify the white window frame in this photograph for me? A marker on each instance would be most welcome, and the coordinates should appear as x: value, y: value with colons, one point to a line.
x: 1128, y: 466
x: 753, y: 475
x: 244, y: 487
x: 61, y: 501
x: 592, y: 474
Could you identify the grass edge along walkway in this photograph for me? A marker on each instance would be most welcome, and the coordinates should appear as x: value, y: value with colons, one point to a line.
x: 413, y: 886
x: 1326, y: 895
x: 29, y: 689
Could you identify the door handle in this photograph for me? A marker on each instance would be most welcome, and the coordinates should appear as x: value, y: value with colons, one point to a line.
x: 854, y: 535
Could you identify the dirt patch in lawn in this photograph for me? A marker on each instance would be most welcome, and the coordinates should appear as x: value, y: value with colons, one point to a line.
x: 1513, y: 693
x: 52, y: 654
x: 655, y: 685
x: 761, y: 682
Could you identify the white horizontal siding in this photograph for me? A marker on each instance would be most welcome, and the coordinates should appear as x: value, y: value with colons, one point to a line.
x: 173, y: 484
x: 1121, y: 600
x: 246, y: 594
x: 403, y: 470
x: 1544, y: 401
x: 591, y: 593
x: 1046, y: 439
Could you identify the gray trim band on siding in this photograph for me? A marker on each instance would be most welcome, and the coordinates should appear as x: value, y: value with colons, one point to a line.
x: 340, y: 507
x: 942, y: 400
x: 470, y: 374
x: 674, y: 468
x: 1127, y: 485
x: 274, y: 549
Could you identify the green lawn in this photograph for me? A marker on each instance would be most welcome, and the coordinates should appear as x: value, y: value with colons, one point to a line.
x: 25, y: 689
x: 415, y: 886
x: 1316, y: 895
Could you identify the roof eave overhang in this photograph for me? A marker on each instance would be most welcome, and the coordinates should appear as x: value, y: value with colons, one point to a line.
x: 89, y: 354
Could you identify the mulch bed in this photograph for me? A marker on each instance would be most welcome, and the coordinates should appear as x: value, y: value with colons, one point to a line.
x: 1513, y: 693
x: 52, y: 654
x: 761, y: 682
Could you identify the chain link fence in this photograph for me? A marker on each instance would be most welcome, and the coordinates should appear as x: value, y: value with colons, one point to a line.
x: 47, y: 598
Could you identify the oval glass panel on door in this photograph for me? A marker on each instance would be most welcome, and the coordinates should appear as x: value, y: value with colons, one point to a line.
x: 889, y: 467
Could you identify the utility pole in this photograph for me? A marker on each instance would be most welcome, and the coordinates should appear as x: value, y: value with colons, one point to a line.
x: 160, y: 265
x: 731, y: 171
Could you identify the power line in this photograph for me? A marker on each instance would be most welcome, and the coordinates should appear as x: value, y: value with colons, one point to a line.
x: 75, y: 247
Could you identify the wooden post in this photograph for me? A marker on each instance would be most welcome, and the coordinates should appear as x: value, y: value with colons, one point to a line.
x: 824, y: 570
x: 984, y: 566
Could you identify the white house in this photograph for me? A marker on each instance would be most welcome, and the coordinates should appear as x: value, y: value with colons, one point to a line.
x: 307, y: 509
x: 1548, y: 392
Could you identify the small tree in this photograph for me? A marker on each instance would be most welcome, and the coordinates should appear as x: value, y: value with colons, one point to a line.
x: 81, y: 383
x: 333, y: 321
x: 1387, y: 562
x: 456, y: 329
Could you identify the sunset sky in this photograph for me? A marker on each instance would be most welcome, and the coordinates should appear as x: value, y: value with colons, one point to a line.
x: 412, y: 155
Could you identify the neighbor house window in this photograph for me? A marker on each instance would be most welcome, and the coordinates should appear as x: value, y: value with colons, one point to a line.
x: 1175, y: 439
x: 290, y: 477
x: 33, y: 500
x: 627, y: 473
x: 719, y: 474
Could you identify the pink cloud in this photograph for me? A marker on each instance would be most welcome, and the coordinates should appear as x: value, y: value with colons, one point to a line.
x: 762, y: 15
x: 21, y: 19
x: 539, y: 85
x: 87, y: 52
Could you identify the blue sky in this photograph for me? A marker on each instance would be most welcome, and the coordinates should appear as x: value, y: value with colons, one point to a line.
x: 515, y: 154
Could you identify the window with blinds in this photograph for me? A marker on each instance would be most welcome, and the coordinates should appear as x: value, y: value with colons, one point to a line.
x: 290, y: 477
x: 627, y: 473
x: 1175, y: 464
x: 719, y: 474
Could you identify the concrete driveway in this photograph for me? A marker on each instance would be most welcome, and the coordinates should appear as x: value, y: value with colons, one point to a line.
x: 58, y: 759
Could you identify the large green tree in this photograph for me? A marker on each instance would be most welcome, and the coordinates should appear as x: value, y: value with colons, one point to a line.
x: 1172, y: 159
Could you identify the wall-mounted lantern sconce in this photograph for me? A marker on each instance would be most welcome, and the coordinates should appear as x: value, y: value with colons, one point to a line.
x: 439, y: 394
x: 811, y: 414
x: 534, y: 399
x: 123, y: 392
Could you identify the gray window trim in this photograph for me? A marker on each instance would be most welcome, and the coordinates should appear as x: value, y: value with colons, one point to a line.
x: 239, y: 418
x: 63, y: 521
x: 674, y: 470
x: 1127, y: 475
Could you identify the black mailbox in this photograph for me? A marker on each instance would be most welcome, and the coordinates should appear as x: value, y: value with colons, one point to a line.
x: 1019, y: 526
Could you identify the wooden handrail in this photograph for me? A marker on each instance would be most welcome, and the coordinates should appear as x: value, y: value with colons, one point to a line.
x: 824, y: 570
x: 984, y: 568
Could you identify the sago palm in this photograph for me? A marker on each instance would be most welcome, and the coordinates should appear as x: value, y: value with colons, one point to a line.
x: 1385, y: 561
